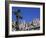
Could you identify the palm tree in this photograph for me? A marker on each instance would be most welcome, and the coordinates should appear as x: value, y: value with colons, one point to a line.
x: 18, y: 16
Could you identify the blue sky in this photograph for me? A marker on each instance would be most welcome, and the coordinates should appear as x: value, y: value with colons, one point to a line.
x: 28, y: 13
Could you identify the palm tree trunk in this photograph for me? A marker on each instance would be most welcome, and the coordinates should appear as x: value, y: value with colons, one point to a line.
x: 17, y: 23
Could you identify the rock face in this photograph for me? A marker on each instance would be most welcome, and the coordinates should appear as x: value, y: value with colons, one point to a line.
x: 36, y: 22
x: 33, y: 25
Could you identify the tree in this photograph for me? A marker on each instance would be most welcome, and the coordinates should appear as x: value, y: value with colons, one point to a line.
x: 18, y: 16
